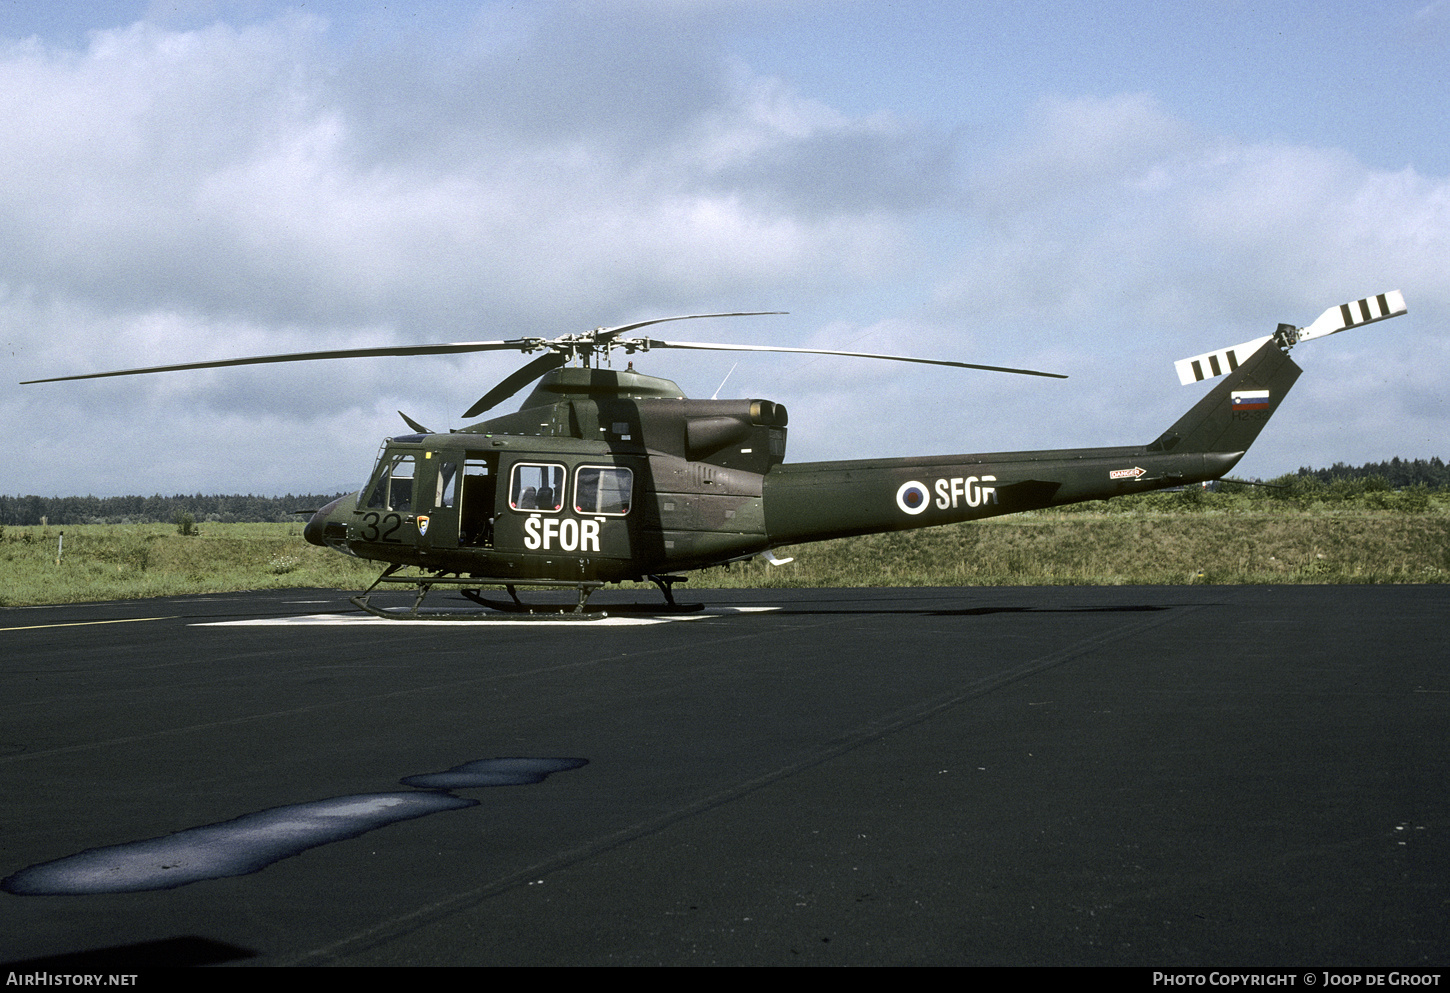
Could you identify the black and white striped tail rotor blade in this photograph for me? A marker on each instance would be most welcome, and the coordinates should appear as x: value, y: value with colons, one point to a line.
x: 1352, y: 315
x: 1219, y: 363
x: 1347, y: 315
x: 645, y: 344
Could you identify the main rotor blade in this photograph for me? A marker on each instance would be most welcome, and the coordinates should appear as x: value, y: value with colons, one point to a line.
x: 648, y: 343
x: 413, y: 424
x: 608, y: 334
x: 517, y: 381
x: 345, y: 353
x: 602, y: 336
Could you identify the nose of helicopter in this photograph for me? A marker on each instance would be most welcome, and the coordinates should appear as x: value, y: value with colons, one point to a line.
x: 314, y: 530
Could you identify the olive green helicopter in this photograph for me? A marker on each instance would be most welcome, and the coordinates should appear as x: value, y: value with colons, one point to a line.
x: 608, y: 475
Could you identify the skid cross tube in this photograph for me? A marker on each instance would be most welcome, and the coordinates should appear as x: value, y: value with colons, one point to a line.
x: 470, y: 588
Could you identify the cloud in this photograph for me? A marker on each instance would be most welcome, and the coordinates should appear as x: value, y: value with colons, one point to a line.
x: 258, y: 172
x: 1122, y: 238
x: 289, y: 184
x: 179, y: 195
x: 1112, y: 208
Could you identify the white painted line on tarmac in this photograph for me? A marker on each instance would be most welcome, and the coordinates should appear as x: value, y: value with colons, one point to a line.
x: 485, y: 620
x: 81, y: 624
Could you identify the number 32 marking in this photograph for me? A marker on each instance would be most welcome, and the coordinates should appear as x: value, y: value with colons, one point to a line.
x: 373, y: 524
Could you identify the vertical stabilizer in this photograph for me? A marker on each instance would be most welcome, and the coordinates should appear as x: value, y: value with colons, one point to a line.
x: 1231, y: 416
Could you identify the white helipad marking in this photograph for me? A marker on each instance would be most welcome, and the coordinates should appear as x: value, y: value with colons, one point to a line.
x: 483, y: 620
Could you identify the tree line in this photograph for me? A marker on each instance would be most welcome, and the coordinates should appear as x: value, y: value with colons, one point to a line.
x: 158, y: 509
x: 1397, y: 472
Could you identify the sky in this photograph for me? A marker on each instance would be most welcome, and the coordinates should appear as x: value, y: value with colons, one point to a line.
x: 1094, y: 189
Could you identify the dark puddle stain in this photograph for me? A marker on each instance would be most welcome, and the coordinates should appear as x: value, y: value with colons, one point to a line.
x: 493, y: 772
x: 163, y: 953
x: 252, y: 842
x: 966, y: 611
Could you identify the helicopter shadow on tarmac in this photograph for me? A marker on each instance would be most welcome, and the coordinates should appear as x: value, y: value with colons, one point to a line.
x: 651, y: 613
x: 973, y: 611
x: 250, y: 843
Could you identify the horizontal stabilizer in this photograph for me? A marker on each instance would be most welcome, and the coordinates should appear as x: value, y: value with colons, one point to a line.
x: 1347, y: 315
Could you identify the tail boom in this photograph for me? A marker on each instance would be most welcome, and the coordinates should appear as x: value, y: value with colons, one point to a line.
x: 815, y: 501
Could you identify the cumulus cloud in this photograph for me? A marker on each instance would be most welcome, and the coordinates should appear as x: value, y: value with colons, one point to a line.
x: 257, y: 171
x: 1127, y: 198
x: 179, y: 194
x: 175, y: 195
x: 1125, y: 239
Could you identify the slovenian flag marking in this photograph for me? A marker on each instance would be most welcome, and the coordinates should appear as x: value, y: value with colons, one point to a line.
x: 1251, y: 399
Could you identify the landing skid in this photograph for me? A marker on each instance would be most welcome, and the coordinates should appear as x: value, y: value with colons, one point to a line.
x: 425, y: 584
x: 470, y: 588
x: 514, y: 605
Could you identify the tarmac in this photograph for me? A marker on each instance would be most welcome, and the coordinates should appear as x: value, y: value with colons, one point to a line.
x: 1102, y: 776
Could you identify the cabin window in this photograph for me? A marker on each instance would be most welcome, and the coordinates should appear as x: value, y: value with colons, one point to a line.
x: 537, y: 486
x: 603, y: 490
x: 393, y: 489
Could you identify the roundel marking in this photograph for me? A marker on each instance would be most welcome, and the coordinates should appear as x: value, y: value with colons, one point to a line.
x: 912, y: 498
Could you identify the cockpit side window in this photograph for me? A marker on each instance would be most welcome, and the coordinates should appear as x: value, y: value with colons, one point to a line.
x: 400, y: 488
x: 537, y: 487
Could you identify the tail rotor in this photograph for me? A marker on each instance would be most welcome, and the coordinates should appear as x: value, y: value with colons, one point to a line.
x: 1356, y: 313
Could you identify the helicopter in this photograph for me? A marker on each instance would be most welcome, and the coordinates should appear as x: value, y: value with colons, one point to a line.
x: 608, y: 475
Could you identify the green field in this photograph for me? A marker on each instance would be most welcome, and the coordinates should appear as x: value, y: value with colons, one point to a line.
x: 1157, y: 539
x: 126, y: 561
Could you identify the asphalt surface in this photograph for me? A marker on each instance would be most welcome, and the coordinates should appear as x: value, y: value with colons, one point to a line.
x: 1055, y: 776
